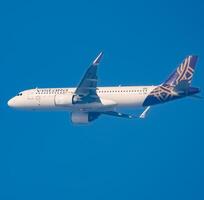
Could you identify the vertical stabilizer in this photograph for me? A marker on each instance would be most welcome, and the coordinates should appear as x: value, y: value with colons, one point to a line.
x: 184, y: 73
x: 178, y: 85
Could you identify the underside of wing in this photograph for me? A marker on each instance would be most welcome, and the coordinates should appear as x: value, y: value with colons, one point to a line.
x: 128, y: 116
x: 86, y: 117
x: 118, y: 114
x: 88, y: 84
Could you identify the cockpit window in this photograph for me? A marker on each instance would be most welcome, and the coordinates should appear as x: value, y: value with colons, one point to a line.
x: 19, y: 94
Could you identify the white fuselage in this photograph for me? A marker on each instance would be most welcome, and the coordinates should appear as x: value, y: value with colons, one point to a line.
x: 53, y: 98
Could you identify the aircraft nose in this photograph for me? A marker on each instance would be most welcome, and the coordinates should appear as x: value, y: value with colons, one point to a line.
x: 11, y: 102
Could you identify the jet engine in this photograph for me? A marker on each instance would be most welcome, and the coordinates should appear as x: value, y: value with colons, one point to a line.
x: 83, y: 117
x: 63, y: 100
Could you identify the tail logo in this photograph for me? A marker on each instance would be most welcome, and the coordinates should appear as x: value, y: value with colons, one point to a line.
x: 160, y: 94
x: 163, y: 93
x: 166, y: 91
x: 183, y: 72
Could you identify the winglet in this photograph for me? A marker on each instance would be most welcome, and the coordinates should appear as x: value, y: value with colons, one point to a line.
x: 144, y: 114
x: 98, y: 59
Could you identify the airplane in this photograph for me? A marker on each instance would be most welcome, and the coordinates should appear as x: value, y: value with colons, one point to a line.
x: 87, y: 101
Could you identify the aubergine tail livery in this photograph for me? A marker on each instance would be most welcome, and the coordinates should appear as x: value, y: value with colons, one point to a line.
x: 178, y: 84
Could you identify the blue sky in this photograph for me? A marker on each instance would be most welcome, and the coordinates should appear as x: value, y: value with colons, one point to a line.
x: 50, y: 44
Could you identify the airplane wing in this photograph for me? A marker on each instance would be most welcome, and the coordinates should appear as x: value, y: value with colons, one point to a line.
x: 86, y: 117
x: 118, y: 114
x: 88, y: 84
x: 128, y: 116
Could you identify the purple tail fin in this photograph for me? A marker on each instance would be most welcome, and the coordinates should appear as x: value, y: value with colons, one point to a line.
x: 184, y: 72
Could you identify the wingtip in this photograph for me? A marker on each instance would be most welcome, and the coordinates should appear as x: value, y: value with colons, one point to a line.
x: 144, y: 113
x: 98, y: 58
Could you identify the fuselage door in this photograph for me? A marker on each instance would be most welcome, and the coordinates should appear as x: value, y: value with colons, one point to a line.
x: 30, y: 96
x: 38, y: 100
x: 34, y: 97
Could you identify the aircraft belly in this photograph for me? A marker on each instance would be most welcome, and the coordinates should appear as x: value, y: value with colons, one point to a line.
x: 102, y: 105
x: 127, y: 100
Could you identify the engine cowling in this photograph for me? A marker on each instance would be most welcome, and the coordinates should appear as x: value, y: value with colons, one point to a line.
x: 83, y: 117
x: 63, y: 100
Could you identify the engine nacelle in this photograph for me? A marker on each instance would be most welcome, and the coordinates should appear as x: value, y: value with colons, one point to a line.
x: 63, y: 100
x: 83, y: 117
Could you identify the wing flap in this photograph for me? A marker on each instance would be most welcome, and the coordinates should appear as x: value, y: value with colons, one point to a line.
x: 118, y: 114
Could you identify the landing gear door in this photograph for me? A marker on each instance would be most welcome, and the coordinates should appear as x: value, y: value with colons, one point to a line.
x: 34, y: 97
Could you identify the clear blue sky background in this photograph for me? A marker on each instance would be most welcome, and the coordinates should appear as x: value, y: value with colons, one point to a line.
x: 50, y: 44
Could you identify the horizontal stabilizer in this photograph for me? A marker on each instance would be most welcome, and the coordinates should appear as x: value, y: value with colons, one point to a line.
x: 182, y: 87
x: 197, y: 96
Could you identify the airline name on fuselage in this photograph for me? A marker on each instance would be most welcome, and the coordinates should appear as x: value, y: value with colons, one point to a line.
x: 99, y: 90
